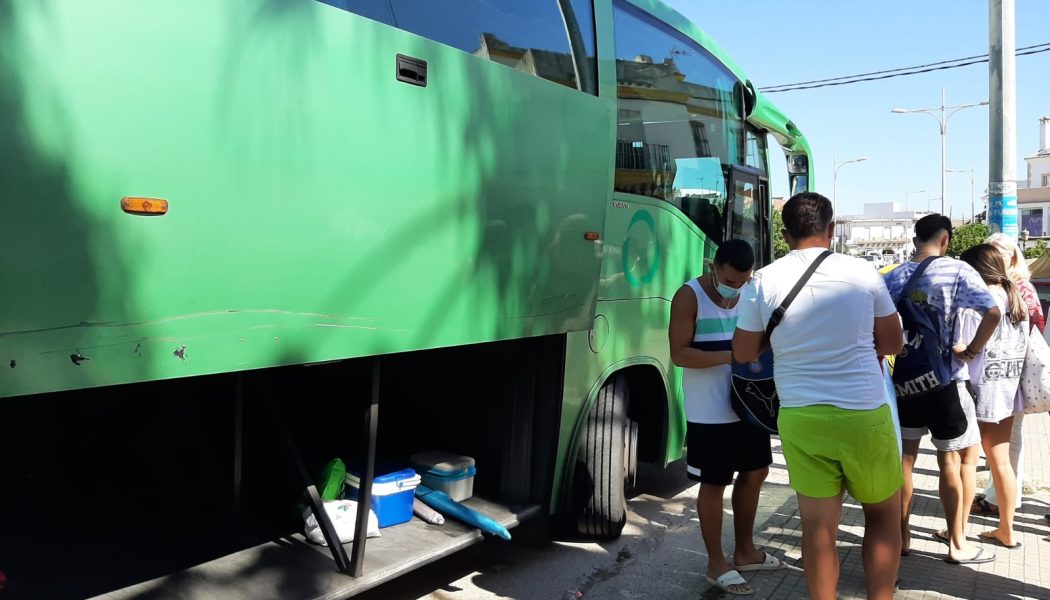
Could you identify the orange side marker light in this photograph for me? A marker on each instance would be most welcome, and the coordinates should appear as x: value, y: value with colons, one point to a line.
x: 591, y: 236
x: 153, y: 207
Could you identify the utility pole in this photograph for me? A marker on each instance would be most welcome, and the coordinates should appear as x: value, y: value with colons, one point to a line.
x: 1002, y: 133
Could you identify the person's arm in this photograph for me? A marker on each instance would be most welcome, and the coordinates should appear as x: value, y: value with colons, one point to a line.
x: 1035, y: 309
x: 889, y: 337
x: 748, y: 345
x: 989, y: 321
x: 972, y: 292
x: 680, y: 335
x: 749, y: 339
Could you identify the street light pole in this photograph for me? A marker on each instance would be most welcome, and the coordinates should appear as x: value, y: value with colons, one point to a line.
x: 946, y: 113
x: 906, y: 194
x: 835, y: 190
x: 970, y: 171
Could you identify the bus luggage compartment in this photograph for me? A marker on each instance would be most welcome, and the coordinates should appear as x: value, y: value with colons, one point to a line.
x: 154, y: 490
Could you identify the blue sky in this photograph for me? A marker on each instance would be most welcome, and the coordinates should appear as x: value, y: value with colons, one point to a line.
x: 786, y: 42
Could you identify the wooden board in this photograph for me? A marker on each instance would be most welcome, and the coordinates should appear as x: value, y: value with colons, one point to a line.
x: 292, y: 568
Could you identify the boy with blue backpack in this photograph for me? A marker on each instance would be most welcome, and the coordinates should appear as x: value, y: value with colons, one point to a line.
x: 930, y: 379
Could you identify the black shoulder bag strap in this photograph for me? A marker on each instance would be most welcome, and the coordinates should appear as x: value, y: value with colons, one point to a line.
x: 778, y: 314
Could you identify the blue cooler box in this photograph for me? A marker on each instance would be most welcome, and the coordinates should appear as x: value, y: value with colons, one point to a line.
x: 392, y: 495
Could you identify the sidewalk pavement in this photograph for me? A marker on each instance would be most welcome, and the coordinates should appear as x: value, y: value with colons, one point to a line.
x: 1023, y: 573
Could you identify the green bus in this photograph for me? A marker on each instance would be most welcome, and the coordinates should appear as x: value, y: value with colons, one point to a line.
x: 233, y: 235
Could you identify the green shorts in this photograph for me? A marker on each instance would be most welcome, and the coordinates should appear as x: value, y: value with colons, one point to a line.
x: 828, y: 448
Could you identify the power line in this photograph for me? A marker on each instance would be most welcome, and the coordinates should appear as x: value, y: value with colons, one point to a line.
x: 943, y: 62
x: 899, y: 72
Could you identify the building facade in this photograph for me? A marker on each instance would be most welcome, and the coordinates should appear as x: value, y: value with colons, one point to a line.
x: 1033, y: 200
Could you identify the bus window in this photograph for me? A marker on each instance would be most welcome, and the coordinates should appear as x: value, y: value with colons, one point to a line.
x: 532, y: 37
x: 746, y: 220
x: 678, y: 108
x: 699, y: 187
x: 756, y: 149
x: 579, y: 22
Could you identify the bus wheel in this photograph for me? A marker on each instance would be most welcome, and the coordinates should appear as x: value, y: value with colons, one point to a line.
x: 608, y: 458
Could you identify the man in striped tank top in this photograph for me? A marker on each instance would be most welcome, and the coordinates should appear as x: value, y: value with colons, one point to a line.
x: 703, y: 318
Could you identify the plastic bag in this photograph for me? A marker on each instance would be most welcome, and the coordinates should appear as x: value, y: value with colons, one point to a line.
x: 331, y: 480
x: 343, y: 514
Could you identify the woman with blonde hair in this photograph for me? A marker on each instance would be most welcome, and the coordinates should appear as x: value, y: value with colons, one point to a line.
x: 995, y: 377
x: 1017, y: 270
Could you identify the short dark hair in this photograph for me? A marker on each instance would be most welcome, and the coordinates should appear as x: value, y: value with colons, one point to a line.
x: 807, y: 214
x: 928, y: 226
x: 736, y: 254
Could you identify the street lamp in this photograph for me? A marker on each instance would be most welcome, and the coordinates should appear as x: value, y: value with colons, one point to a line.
x: 946, y: 113
x: 906, y: 194
x: 970, y: 171
x: 835, y: 189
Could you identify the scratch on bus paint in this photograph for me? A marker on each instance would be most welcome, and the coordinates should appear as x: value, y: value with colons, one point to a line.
x: 339, y: 326
x: 88, y: 324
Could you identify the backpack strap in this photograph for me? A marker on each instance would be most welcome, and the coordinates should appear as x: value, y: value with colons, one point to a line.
x: 778, y: 314
x: 914, y: 279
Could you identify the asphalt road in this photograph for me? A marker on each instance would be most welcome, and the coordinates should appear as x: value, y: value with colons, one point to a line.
x: 659, y: 555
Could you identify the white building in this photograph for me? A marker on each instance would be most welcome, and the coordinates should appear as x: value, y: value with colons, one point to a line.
x: 883, y: 228
x: 1033, y: 200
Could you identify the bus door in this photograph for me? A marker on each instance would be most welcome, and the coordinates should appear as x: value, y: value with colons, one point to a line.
x: 749, y: 217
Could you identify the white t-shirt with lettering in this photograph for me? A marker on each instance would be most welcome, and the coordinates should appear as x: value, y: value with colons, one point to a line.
x: 824, y: 348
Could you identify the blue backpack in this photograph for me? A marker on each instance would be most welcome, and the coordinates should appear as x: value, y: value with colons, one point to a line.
x: 922, y: 367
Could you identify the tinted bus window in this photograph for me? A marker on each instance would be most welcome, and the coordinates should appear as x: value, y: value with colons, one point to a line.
x: 528, y: 36
x: 579, y: 17
x: 680, y: 122
x: 756, y: 149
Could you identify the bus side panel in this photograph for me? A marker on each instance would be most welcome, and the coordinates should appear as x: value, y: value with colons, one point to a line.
x: 651, y: 250
x: 319, y: 208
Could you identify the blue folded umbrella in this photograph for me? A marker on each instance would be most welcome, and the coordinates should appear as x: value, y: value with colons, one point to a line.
x: 441, y: 502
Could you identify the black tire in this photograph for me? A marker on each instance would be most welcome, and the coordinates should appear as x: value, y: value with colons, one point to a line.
x: 601, y: 504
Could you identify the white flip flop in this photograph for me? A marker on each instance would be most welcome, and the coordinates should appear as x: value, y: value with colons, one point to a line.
x: 771, y: 563
x: 730, y: 577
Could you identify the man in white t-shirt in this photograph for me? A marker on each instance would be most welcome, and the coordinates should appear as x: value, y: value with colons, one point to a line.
x: 835, y: 423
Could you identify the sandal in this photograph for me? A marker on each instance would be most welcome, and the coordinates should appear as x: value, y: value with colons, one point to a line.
x: 771, y: 563
x: 730, y: 577
x: 991, y: 538
x: 985, y: 508
x: 977, y: 559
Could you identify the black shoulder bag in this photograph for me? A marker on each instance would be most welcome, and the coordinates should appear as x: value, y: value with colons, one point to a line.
x: 753, y: 392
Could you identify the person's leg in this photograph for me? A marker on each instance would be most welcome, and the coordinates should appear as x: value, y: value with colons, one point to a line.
x: 820, y: 558
x: 1016, y: 461
x: 953, y: 426
x: 968, y: 458
x: 969, y: 453
x: 911, y: 453
x: 811, y: 438
x: 1017, y: 456
x: 996, y: 440
x: 882, y: 545
x: 914, y: 421
x: 709, y: 506
x: 753, y: 455
x: 951, y: 492
x: 874, y: 476
x: 704, y: 464
x: 746, y: 491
